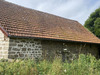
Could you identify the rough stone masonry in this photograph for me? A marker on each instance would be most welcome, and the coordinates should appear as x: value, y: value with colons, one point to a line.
x: 19, y: 48
x: 24, y: 48
x: 4, y: 45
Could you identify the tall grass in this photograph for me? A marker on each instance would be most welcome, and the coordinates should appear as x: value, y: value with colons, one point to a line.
x: 84, y: 65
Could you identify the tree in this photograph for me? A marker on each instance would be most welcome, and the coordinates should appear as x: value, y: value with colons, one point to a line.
x: 93, y: 22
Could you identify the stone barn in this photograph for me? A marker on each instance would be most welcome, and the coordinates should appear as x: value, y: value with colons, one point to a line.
x: 28, y: 33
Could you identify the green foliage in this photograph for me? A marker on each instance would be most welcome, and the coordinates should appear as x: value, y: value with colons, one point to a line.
x: 97, y: 27
x: 93, y: 22
x: 84, y: 65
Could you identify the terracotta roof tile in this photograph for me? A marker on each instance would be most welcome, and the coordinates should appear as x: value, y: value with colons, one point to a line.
x: 24, y: 22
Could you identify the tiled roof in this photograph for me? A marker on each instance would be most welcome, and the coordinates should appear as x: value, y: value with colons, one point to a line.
x: 20, y: 21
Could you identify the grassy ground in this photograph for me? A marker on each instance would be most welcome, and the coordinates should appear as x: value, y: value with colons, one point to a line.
x: 85, y: 65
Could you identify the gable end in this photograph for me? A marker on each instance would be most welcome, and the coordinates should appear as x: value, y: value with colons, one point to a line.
x: 4, y: 32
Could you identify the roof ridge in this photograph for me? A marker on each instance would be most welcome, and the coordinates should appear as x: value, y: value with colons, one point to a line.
x: 2, y: 0
x: 39, y: 11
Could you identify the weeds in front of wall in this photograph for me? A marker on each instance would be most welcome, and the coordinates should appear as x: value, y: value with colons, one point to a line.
x: 84, y: 65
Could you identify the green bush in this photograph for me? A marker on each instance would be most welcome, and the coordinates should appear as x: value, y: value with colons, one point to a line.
x: 84, y: 65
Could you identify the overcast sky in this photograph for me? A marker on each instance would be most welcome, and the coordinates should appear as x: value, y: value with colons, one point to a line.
x: 72, y: 9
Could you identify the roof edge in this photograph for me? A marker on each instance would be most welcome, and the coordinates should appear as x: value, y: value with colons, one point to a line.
x: 12, y: 36
x: 2, y: 0
x: 4, y: 31
x: 39, y: 11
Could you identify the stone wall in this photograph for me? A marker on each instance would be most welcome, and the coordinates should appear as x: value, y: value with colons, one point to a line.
x: 31, y: 48
x: 81, y: 48
x: 78, y: 48
x: 54, y: 48
x: 51, y: 49
x: 24, y: 48
x: 4, y: 46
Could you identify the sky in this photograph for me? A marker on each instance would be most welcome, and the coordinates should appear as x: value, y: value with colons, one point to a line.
x: 78, y: 10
